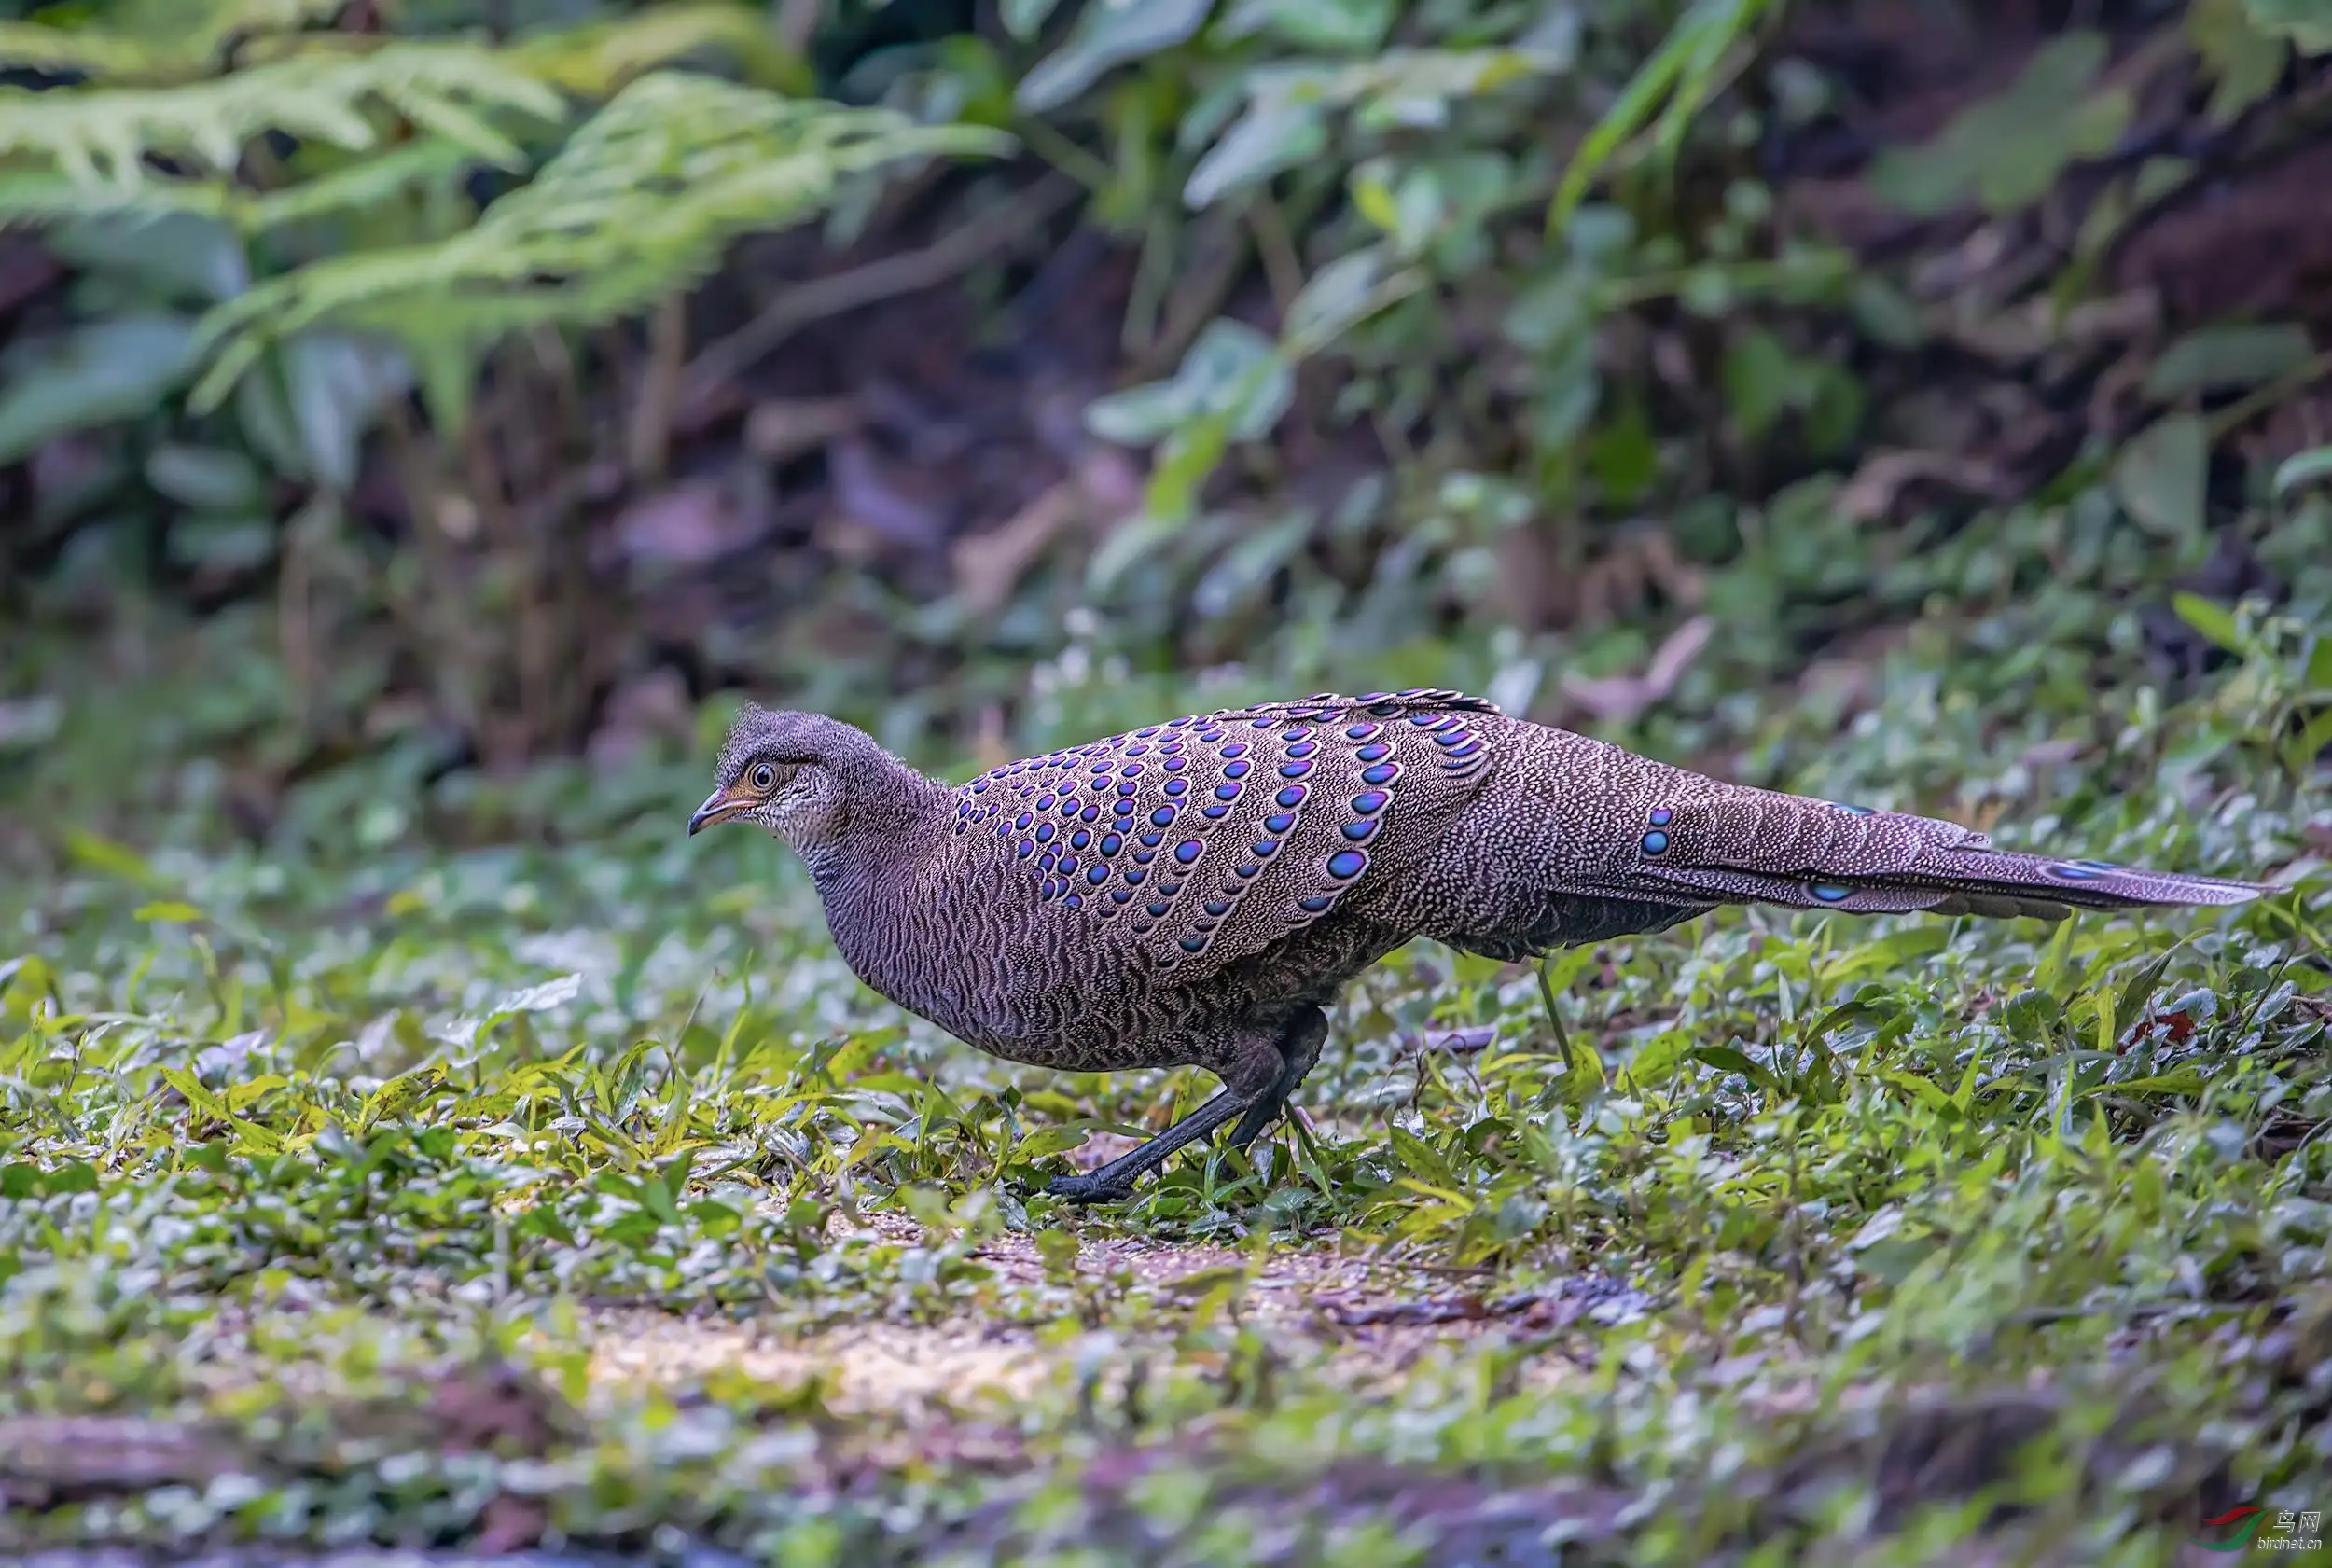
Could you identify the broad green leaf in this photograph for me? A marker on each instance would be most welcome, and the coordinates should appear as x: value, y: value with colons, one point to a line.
x: 2130, y: 1009
x: 2227, y: 358
x: 2010, y: 150
x: 2312, y: 466
x: 2246, y: 59
x: 1334, y: 296
x: 2161, y: 476
x: 113, y: 369
x: 1184, y: 459
x: 1249, y: 564
x: 191, y: 1088
x: 1140, y: 415
x: 215, y: 542
x: 2185, y: 1080
x: 206, y: 479
x: 2210, y: 618
x: 1731, y: 1059
x: 1048, y: 1140
x: 1314, y: 26
x: 2313, y: 739
x: 1271, y: 137
x: 1109, y: 33
x: 1128, y: 545
x: 113, y: 859
x: 1926, y: 1093
x: 181, y: 257
x: 336, y: 385
x: 1761, y: 381
x: 1024, y: 18
x: 540, y: 998
x: 2305, y: 22
x: 1415, y: 1153
x: 400, y: 1094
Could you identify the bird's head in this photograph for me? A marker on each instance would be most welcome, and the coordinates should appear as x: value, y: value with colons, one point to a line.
x: 784, y: 771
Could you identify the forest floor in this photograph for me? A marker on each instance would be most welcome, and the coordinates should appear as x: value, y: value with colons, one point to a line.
x: 569, y: 1197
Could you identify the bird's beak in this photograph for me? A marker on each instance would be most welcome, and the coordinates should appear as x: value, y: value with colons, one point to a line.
x: 718, y: 806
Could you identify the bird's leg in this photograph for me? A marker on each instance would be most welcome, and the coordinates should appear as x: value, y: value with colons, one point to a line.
x: 1115, y: 1179
x: 1299, y: 1051
x: 1248, y: 1077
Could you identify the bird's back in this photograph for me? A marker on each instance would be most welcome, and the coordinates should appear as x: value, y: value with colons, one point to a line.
x: 1074, y: 887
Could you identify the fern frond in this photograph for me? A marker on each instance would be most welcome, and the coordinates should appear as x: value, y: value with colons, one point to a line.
x: 594, y: 60
x: 42, y: 196
x: 156, y: 40
x: 104, y: 135
x: 641, y: 202
x: 430, y: 162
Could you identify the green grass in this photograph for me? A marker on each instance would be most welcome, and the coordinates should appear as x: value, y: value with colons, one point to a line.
x: 1860, y: 1241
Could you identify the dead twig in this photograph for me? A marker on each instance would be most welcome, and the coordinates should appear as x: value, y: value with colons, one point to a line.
x: 1282, y: 266
x: 838, y: 293
x: 1453, y: 1042
x: 1883, y: 477
x: 1207, y: 280
x: 650, y: 433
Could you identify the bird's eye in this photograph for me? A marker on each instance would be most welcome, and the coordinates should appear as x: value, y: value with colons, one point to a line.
x: 764, y: 777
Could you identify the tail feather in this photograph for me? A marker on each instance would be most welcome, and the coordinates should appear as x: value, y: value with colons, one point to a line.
x: 1751, y: 845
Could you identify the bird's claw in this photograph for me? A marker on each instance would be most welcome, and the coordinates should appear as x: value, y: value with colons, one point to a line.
x: 1089, y: 1189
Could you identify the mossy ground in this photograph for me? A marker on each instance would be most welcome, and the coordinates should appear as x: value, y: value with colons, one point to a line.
x: 391, y: 1179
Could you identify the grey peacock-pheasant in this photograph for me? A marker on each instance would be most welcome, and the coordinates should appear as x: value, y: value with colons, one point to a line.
x: 1198, y: 892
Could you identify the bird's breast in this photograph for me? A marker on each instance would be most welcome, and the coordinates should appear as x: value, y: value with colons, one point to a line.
x: 965, y: 943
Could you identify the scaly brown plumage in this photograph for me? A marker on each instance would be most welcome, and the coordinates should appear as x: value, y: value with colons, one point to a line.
x: 1198, y: 892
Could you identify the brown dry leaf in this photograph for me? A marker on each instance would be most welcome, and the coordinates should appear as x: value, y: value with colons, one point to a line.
x: 989, y: 747
x: 988, y: 566
x: 780, y: 429
x: 1625, y: 576
x: 1883, y: 477
x: 1101, y: 494
x: 2021, y: 334
x: 883, y: 500
x: 637, y: 712
x: 692, y: 525
x: 1624, y: 697
x: 511, y: 1524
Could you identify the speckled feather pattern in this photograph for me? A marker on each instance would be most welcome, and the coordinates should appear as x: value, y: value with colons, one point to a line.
x: 1182, y: 892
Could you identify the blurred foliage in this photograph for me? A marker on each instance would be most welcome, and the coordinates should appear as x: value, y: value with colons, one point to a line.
x: 1432, y: 306
x: 301, y: 231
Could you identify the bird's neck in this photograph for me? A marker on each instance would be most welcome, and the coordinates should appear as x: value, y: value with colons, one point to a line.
x: 871, y: 874
x: 890, y: 810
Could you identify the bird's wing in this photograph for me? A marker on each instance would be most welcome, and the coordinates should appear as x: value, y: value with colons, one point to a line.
x: 1203, y: 840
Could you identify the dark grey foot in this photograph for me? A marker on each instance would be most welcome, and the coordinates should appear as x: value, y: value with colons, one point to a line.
x: 1090, y: 1189
x: 1114, y: 1181
x: 1278, y: 1065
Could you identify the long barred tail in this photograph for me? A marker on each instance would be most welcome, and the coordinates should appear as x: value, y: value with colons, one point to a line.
x: 1738, y: 845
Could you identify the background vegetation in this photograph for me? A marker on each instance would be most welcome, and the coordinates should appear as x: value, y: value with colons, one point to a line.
x: 420, y: 418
